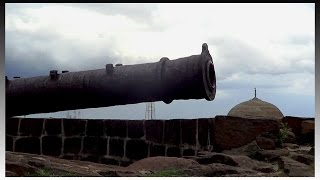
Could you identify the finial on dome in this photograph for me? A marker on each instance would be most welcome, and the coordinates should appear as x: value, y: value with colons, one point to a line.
x: 255, y: 92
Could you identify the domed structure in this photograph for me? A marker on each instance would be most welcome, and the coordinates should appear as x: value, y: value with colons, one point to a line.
x: 256, y: 109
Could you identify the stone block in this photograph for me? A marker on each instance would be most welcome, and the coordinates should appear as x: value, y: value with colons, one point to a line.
x: 173, y: 152
x: 28, y: 145
x: 69, y: 157
x: 74, y: 127
x: 116, y: 147
x: 12, y: 126
x: 9, y: 143
x: 116, y: 128
x: 172, y: 132
x: 157, y: 150
x: 95, y: 145
x: 189, y: 152
x: 307, y: 127
x: 211, y: 130
x: 154, y: 130
x: 125, y: 163
x: 295, y: 123
x: 188, y: 131
x: 91, y: 158
x: 109, y: 161
x: 29, y: 126
x: 51, y: 145
x: 52, y: 126
x: 232, y: 132
x: 95, y: 128
x: 136, y: 149
x: 203, y: 130
x: 135, y: 129
x: 72, y: 145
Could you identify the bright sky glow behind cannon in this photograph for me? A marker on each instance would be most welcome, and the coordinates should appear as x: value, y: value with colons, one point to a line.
x: 267, y: 46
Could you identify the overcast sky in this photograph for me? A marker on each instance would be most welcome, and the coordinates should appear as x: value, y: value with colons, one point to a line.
x: 267, y: 46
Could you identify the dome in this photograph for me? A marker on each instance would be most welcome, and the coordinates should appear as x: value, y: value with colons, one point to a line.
x: 256, y: 109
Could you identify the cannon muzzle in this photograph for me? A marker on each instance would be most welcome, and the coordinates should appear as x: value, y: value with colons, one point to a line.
x: 190, y: 77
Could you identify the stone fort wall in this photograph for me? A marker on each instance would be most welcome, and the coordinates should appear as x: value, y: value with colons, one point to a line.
x: 107, y: 141
x: 121, y: 142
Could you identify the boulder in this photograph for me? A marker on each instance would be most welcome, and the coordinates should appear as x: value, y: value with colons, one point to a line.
x: 265, y: 143
x: 235, y: 160
x: 307, y: 132
x: 218, y: 169
x: 246, y: 150
x: 291, y: 138
x: 271, y: 155
x: 295, y: 123
x: 215, y: 158
x: 303, y: 158
x: 232, y: 132
x: 159, y: 163
x: 307, y: 127
x: 290, y: 146
x: 311, y: 152
x: 294, y: 168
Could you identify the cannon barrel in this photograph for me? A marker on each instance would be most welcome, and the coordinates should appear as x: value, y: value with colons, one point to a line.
x: 190, y: 77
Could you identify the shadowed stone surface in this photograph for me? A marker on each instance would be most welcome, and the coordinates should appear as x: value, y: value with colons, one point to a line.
x: 203, y: 127
x: 51, y: 145
x: 69, y: 157
x: 52, y: 126
x: 303, y: 158
x: 12, y: 125
x: 188, y: 132
x: 72, y: 145
x: 172, y: 132
x: 20, y: 164
x: 116, y: 147
x: 295, y: 123
x: 173, y: 152
x: 74, y: 127
x: 136, y: 149
x: 135, y: 129
x: 109, y: 161
x: 295, y: 168
x: 91, y: 158
x: 232, y: 132
x: 154, y: 130
x: 28, y: 145
x: 265, y: 143
x: 31, y: 127
x: 116, y: 128
x: 188, y: 152
x: 9, y: 143
x: 157, y: 150
x: 95, y: 145
x: 95, y: 128
x: 271, y: 155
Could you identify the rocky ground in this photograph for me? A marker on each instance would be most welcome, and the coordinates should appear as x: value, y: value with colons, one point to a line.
x: 291, y: 160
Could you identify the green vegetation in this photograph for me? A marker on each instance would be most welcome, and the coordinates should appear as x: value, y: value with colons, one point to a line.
x: 283, y: 133
x: 49, y: 173
x: 168, y: 173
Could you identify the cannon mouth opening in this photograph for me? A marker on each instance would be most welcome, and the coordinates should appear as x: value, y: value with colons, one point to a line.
x: 210, y: 81
x: 212, y: 75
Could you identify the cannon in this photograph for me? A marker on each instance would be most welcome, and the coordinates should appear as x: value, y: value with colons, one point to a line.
x: 184, y: 78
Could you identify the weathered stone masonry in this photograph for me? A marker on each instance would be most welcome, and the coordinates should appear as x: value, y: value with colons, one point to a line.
x: 117, y: 142
x: 121, y: 142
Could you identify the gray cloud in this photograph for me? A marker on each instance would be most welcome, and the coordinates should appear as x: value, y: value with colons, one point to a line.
x: 239, y: 66
x: 143, y: 13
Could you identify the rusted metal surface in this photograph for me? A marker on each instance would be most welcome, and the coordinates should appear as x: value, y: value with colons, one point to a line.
x: 190, y: 77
